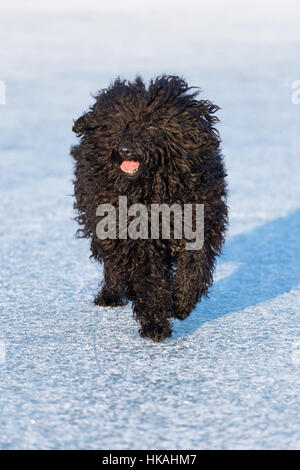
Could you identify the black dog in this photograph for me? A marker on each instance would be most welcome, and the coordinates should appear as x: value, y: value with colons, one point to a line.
x: 153, y: 145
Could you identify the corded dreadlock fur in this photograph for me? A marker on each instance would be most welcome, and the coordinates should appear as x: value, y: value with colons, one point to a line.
x: 171, y: 134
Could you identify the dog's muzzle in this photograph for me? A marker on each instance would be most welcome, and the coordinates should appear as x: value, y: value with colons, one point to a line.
x: 128, y: 166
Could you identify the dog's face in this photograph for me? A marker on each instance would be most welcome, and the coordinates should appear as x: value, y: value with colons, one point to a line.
x: 134, y: 132
x: 137, y: 148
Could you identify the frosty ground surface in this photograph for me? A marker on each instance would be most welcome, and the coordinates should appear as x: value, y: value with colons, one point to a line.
x: 76, y: 376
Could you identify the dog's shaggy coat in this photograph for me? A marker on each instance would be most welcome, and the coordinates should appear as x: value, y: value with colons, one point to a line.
x: 171, y: 134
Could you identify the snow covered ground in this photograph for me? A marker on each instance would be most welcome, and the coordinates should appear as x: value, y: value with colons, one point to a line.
x: 76, y: 376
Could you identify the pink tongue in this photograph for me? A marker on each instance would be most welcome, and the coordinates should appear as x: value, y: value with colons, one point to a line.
x: 129, y: 166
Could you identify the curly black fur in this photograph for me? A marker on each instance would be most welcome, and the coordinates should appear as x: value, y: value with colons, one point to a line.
x: 172, y: 135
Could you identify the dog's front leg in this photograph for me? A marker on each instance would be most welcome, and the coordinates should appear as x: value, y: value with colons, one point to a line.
x: 194, y: 271
x: 112, y: 293
x: 152, y: 302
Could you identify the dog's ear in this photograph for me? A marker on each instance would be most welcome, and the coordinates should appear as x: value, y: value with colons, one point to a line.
x: 205, y: 121
x: 80, y: 125
x: 86, y: 122
x: 206, y: 110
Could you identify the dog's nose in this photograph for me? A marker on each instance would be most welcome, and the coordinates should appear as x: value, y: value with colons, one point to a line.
x: 125, y: 151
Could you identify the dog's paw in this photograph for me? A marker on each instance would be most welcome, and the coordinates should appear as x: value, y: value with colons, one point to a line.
x: 180, y: 309
x: 157, y: 332
x: 181, y: 314
x: 109, y: 299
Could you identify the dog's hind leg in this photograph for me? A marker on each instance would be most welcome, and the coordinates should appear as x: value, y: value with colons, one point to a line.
x: 112, y: 293
x: 152, y: 303
x: 193, y: 277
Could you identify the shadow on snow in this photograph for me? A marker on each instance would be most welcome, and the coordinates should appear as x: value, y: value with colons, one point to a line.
x: 269, y: 265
